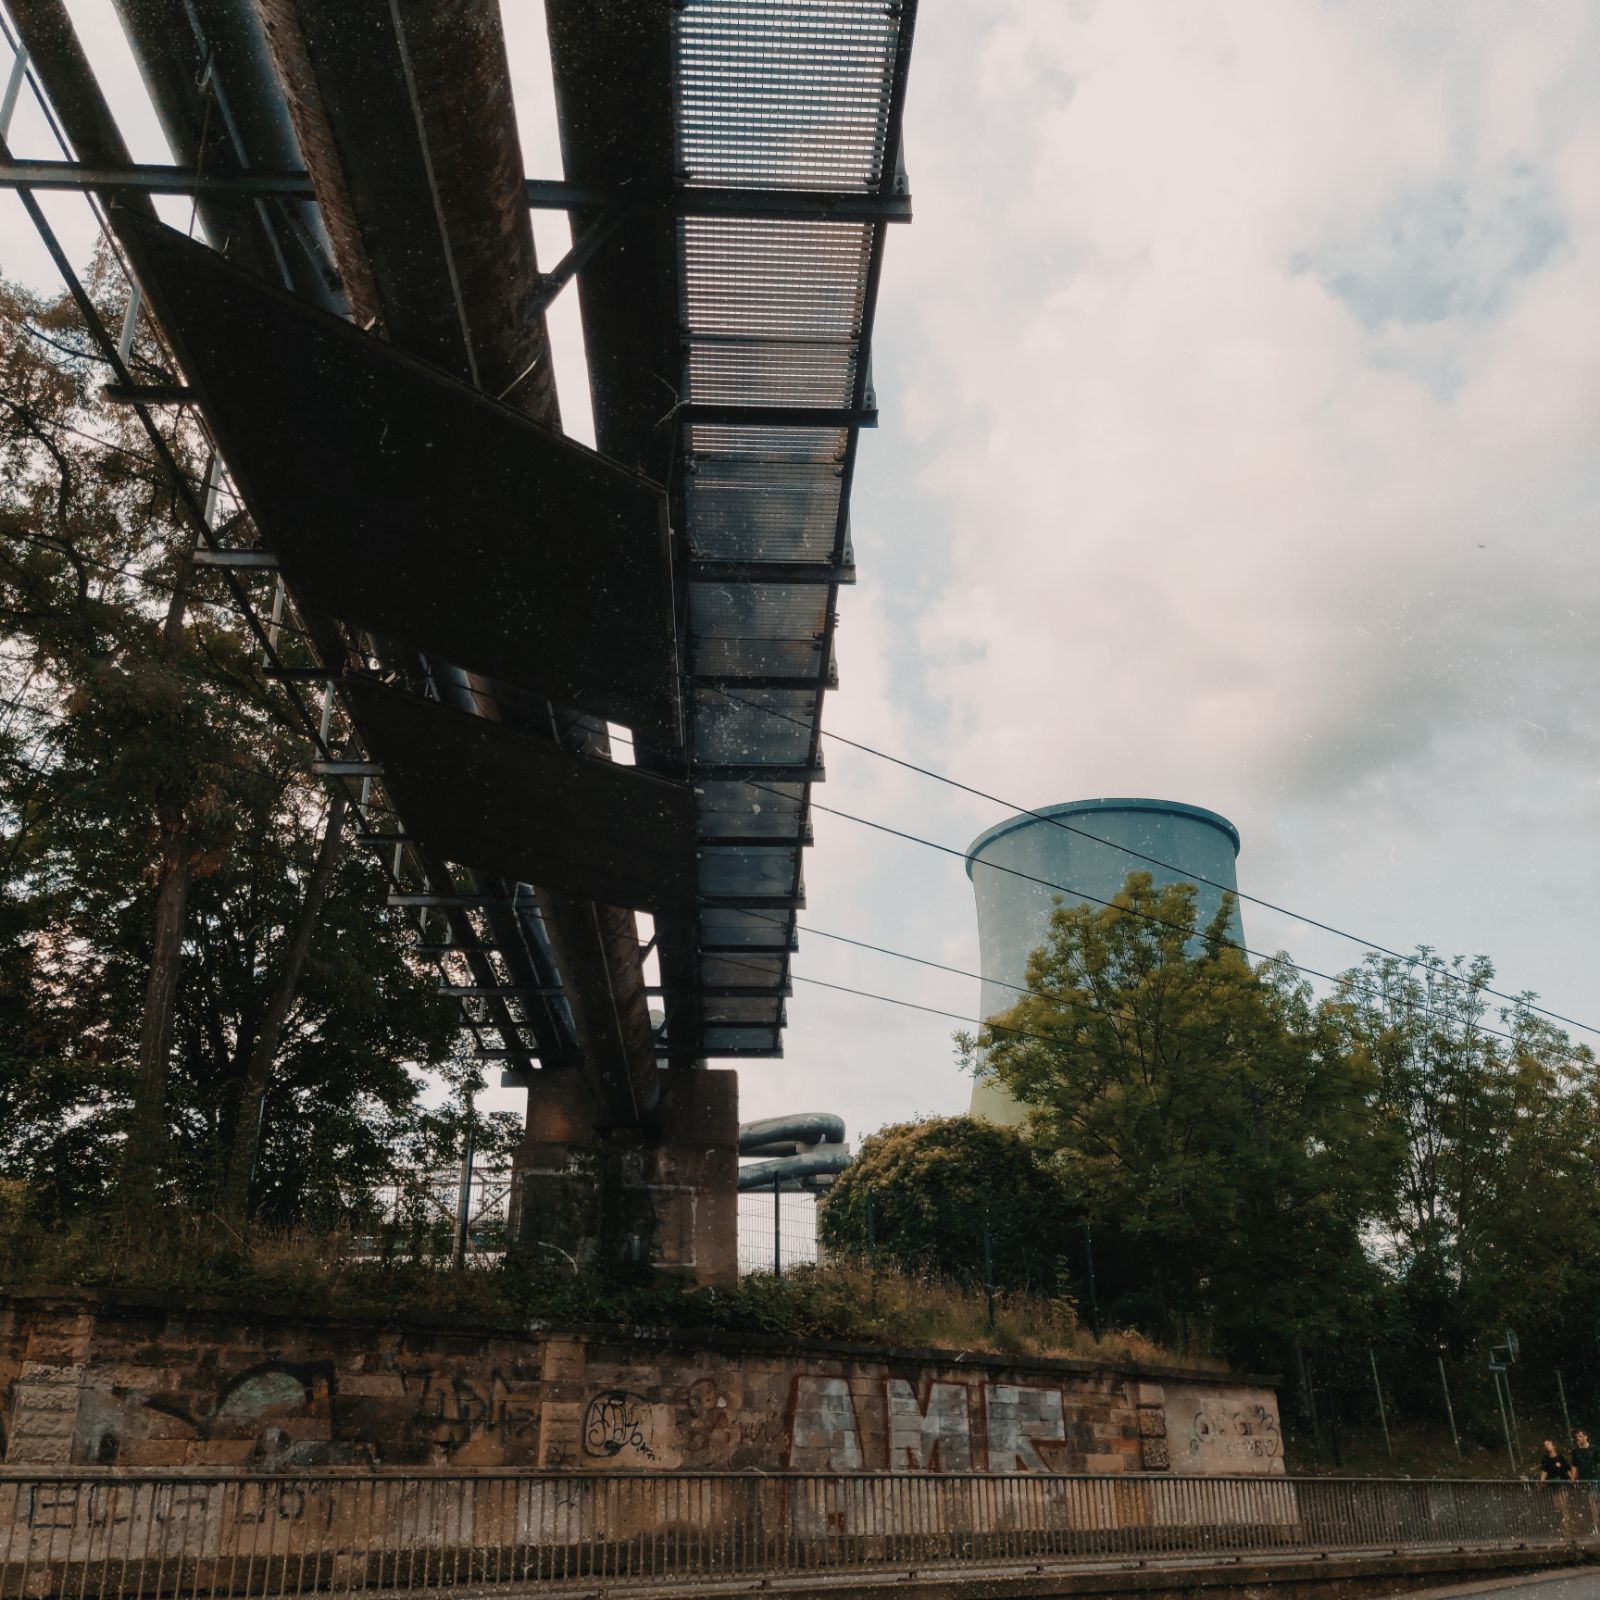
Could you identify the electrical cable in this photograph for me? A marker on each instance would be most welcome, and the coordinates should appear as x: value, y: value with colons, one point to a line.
x: 1149, y: 916
x: 150, y: 461
x: 1056, y: 822
x: 1276, y: 960
x: 960, y: 972
x: 908, y: 1005
x: 1581, y: 1057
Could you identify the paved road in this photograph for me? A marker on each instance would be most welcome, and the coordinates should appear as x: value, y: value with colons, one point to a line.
x: 1578, y: 1583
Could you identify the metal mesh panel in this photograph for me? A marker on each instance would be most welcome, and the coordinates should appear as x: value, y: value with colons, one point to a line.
x: 736, y: 1041
x: 750, y: 968
x: 771, y: 94
x: 735, y: 808
x: 771, y: 374
x: 743, y: 1010
x: 744, y: 930
x: 775, y: 280
x: 708, y: 440
x: 763, y: 511
x: 750, y: 870
x: 758, y: 610
x: 763, y: 726
x: 796, y: 1230
x: 757, y: 658
x: 785, y: 93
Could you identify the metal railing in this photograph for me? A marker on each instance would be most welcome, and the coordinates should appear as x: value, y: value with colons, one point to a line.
x: 103, y: 1532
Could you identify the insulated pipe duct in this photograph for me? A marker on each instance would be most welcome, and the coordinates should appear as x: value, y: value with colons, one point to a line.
x: 403, y: 110
x: 404, y: 114
x: 787, y: 1136
x: 211, y: 79
x: 794, y: 1172
x: 1014, y: 912
x: 596, y: 946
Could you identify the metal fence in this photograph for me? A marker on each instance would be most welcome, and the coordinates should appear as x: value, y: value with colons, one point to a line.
x: 101, y: 1533
x: 419, y: 1214
x: 778, y: 1227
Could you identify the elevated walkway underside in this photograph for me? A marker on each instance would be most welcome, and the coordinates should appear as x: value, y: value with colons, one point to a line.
x: 483, y: 595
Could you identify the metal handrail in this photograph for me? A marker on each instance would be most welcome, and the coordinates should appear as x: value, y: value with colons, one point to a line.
x: 89, y: 1531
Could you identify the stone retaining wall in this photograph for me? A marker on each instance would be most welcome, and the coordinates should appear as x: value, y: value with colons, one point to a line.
x: 91, y: 1379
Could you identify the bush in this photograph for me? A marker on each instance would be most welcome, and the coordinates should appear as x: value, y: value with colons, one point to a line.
x: 920, y: 1194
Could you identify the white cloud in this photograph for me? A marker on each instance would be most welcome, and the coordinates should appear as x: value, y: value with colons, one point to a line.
x: 1240, y: 385
x: 1242, y: 365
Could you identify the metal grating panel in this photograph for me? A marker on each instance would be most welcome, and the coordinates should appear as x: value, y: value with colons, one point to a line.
x: 749, y: 970
x: 759, y: 373
x: 723, y: 928
x: 736, y: 810
x: 741, y: 1041
x: 785, y: 93
x: 758, y: 610
x: 773, y: 727
x: 715, y: 440
x: 750, y: 871
x: 763, y: 511
x: 774, y: 280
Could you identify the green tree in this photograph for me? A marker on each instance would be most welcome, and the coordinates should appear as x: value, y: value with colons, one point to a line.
x: 1492, y: 1218
x: 200, y: 987
x: 932, y: 1187
x: 1204, y: 1110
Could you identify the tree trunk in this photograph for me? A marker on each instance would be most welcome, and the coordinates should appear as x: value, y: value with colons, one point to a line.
x: 258, y: 1069
x: 145, y: 1155
x: 147, y: 1140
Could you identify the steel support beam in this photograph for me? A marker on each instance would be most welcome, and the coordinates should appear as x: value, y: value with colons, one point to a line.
x: 544, y: 194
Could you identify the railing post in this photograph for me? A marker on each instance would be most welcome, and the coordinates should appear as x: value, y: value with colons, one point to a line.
x: 1504, y: 1423
x: 1450, y: 1410
x: 1383, y: 1415
x: 988, y: 1270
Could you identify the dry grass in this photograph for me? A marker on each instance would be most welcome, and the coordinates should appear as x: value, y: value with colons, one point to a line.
x: 182, y: 1255
x: 851, y: 1300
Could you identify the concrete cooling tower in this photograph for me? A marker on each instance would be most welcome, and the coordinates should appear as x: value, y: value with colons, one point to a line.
x: 1014, y: 913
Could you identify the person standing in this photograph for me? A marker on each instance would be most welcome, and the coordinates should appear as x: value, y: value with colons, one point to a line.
x: 1585, y: 1458
x: 1554, y: 1467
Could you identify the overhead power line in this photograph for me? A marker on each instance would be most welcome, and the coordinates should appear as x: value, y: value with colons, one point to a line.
x: 1135, y: 911
x: 1155, y: 861
x: 1056, y: 995
x: 961, y: 972
x: 1276, y: 960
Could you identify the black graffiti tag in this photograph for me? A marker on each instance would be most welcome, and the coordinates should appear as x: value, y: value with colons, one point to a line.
x: 615, y: 1422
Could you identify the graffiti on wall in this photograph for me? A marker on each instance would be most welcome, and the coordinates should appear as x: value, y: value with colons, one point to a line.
x: 1023, y: 1427
x: 1232, y: 1438
x: 714, y: 1423
x: 617, y: 1421
x: 935, y: 1436
x: 561, y: 1404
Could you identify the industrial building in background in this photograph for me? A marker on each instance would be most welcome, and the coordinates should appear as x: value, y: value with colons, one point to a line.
x: 1087, y: 848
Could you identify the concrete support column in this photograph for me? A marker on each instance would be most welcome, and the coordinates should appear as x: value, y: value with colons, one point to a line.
x: 667, y: 1196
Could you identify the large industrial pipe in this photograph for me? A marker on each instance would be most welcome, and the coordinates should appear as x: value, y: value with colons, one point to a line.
x: 403, y: 109
x: 1088, y: 847
x: 815, y: 1172
x: 787, y: 1136
x: 214, y: 87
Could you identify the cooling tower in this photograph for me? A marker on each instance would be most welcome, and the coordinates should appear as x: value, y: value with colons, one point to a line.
x: 1085, y: 847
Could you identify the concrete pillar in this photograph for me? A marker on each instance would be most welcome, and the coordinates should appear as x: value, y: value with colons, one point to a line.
x: 597, y: 1197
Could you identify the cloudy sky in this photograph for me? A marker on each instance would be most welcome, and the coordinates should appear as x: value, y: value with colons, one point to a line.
x: 1241, y: 379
